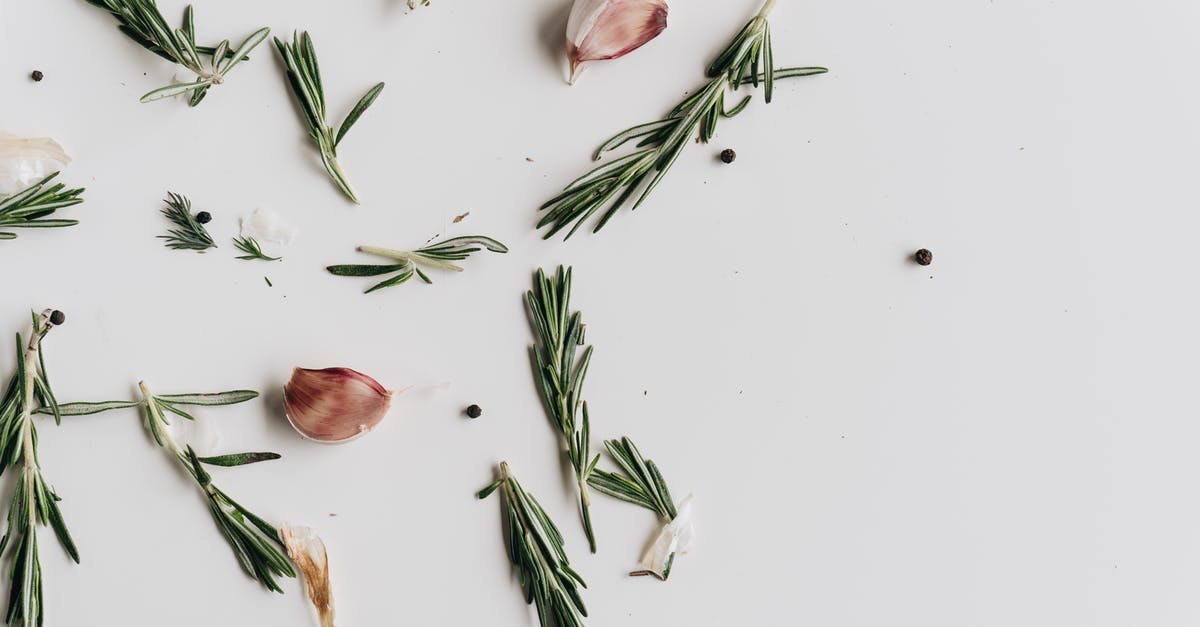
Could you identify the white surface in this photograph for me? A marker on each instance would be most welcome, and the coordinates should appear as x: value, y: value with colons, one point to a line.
x: 1007, y: 437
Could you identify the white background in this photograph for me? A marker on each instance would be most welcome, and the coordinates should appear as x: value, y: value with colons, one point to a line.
x: 1006, y: 437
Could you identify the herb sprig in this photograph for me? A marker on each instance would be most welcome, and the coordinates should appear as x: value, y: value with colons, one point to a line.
x: 256, y: 544
x: 560, y: 371
x: 33, y: 502
x: 437, y: 255
x: 253, y: 250
x: 748, y: 59
x: 637, y: 481
x: 304, y: 76
x: 28, y: 208
x: 142, y: 22
x: 189, y: 234
x: 535, y: 548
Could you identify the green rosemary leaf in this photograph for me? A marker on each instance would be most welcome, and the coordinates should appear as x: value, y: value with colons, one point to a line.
x: 190, y: 234
x: 437, y: 255
x: 253, y: 250
x: 87, y: 409
x: 221, y: 398
x: 535, y: 548
x: 29, y: 207
x: 352, y: 117
x: 239, y: 459
x: 142, y: 22
x: 304, y: 76
x: 638, y: 481
x: 748, y: 59
x: 561, y: 371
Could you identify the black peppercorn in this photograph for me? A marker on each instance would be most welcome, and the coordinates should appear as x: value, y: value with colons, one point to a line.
x: 474, y: 411
x: 57, y: 317
x: 923, y: 257
x: 728, y: 155
x: 37, y: 76
x: 204, y: 217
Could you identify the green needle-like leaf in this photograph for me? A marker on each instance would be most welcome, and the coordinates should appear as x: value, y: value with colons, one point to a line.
x: 28, y: 208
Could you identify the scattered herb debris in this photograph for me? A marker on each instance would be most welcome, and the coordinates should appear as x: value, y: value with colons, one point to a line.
x: 190, y: 234
x: 460, y: 217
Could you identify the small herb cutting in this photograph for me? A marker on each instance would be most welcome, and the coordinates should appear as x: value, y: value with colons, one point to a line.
x: 639, y: 481
x: 535, y: 548
x: 560, y: 372
x: 437, y: 255
x: 748, y: 60
x: 189, y: 232
x: 257, y: 545
x: 34, y: 503
x: 142, y: 22
x: 304, y: 76
x: 29, y: 208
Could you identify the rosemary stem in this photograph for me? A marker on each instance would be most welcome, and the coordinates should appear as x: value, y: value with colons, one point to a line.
x: 390, y: 253
x: 29, y: 456
x: 766, y: 9
x: 160, y: 425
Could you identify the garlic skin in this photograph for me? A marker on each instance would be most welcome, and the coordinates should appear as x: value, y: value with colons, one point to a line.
x: 334, y: 405
x: 25, y: 161
x: 609, y: 29
x: 307, y: 551
x: 675, y: 538
x: 266, y: 225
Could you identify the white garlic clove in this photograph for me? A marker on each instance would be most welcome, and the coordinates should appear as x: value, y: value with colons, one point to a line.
x: 25, y: 161
x: 609, y: 29
x: 334, y: 405
x: 307, y: 551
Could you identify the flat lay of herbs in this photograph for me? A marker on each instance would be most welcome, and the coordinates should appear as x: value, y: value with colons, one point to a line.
x: 337, y: 405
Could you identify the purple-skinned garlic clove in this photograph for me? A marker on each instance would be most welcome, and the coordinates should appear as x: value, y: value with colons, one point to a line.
x: 334, y: 405
x: 609, y: 29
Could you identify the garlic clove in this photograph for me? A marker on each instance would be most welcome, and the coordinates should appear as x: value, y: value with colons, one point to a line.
x: 307, y: 551
x: 609, y: 29
x: 334, y: 405
x: 25, y: 161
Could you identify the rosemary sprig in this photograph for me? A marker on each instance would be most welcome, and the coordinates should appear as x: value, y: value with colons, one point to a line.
x: 28, y: 208
x: 33, y: 503
x: 144, y: 23
x: 637, y: 481
x: 437, y: 255
x: 749, y: 59
x: 560, y: 333
x: 304, y: 76
x: 253, y: 250
x: 256, y: 544
x: 190, y: 234
x: 535, y: 548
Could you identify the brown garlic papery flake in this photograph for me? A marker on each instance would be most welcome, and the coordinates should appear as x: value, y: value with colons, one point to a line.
x: 334, y: 405
x: 307, y: 550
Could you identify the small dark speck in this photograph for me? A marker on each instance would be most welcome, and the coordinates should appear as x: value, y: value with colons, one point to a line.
x: 1021, y: 148
x: 332, y: 515
x: 37, y: 76
x: 645, y: 392
x: 843, y: 437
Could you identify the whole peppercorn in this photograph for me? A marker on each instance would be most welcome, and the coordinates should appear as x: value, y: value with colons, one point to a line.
x: 923, y: 257
x: 728, y: 155
x: 57, y: 317
x: 37, y: 76
x: 204, y: 217
x: 474, y: 411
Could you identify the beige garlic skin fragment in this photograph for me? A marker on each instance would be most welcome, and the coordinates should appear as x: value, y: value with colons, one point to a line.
x: 25, y: 161
x: 307, y: 551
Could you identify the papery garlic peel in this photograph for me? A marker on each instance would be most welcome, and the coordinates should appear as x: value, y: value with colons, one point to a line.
x: 25, y: 161
x: 334, y: 405
x: 307, y: 551
x: 608, y: 29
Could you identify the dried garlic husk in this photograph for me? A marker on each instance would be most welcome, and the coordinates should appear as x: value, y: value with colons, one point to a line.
x: 675, y: 538
x: 609, y: 29
x: 334, y: 405
x: 25, y: 161
x: 307, y: 551
x: 266, y: 225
